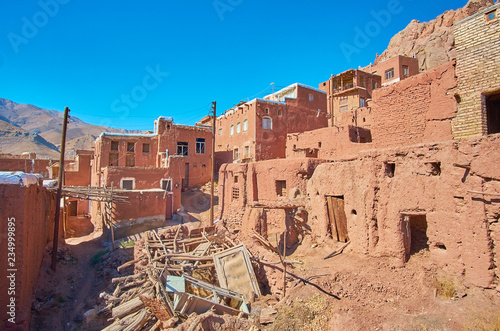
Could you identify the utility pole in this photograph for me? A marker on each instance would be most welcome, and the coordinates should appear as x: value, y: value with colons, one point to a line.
x: 214, y: 105
x: 59, y: 190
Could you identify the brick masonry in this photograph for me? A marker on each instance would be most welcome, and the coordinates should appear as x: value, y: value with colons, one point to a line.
x: 478, y: 70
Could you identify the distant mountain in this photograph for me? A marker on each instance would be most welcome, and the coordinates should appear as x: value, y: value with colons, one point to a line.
x: 28, y: 128
x: 433, y: 42
x: 15, y: 140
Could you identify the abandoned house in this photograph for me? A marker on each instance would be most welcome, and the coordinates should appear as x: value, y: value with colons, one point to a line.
x: 151, y: 169
x: 256, y: 130
x: 416, y: 188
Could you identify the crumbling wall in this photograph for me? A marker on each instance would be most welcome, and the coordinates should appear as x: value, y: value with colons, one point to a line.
x: 28, y: 213
x: 330, y: 143
x: 443, y: 189
x: 416, y: 110
x: 263, y: 196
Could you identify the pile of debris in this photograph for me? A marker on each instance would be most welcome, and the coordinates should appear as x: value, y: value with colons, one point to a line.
x: 179, y: 274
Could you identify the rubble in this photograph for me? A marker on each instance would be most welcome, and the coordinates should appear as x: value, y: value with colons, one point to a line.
x: 180, y: 273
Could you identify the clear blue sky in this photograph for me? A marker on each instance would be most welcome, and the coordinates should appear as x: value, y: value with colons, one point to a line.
x: 124, y: 63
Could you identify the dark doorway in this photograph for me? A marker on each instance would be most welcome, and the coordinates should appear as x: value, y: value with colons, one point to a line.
x: 415, y: 234
x: 493, y: 112
x: 185, y: 180
x: 72, y: 208
x: 337, y: 218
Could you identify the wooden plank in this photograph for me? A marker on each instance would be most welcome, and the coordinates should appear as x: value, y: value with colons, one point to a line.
x: 127, y: 308
x: 341, y: 219
x: 331, y: 217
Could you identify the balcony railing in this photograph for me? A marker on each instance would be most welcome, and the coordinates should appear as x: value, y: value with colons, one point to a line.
x: 345, y: 87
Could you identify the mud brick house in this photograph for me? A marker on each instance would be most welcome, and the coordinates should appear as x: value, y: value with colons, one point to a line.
x: 347, y: 91
x: 256, y: 130
x: 416, y: 110
x: 477, y: 39
x: 394, y: 69
x: 151, y: 169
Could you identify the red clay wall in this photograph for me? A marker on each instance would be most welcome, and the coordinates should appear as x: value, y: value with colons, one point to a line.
x: 397, y: 63
x: 81, y: 174
x: 142, y: 204
x: 416, y: 110
x: 166, y: 139
x: 304, y: 114
x: 33, y: 209
x: 462, y: 224
x: 258, y: 204
x: 24, y: 164
x: 146, y: 179
x: 225, y: 143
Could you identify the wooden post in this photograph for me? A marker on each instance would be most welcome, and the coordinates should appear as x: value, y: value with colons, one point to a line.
x: 59, y: 190
x: 111, y: 218
x: 284, y: 263
x: 213, y: 166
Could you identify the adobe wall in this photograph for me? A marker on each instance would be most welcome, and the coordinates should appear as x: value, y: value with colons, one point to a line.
x: 24, y: 164
x: 462, y: 223
x: 33, y: 209
x: 166, y: 139
x: 81, y: 175
x: 270, y: 144
x: 478, y: 70
x: 397, y: 63
x: 225, y: 143
x: 304, y: 114
x: 146, y: 208
x: 416, y: 110
x: 259, y: 205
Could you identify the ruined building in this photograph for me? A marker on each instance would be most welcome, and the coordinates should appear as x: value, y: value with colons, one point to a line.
x: 415, y: 188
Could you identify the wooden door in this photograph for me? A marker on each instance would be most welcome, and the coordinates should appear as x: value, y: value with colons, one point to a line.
x: 185, y: 182
x: 337, y: 218
x: 169, y: 212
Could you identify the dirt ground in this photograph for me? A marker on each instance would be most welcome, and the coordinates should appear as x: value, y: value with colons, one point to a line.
x: 352, y: 292
x: 84, y: 269
x: 345, y: 292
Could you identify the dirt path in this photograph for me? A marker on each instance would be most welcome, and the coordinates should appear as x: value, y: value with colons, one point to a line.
x: 62, y: 297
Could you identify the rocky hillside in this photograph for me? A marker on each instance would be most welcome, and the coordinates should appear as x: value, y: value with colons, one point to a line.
x: 16, y: 140
x: 432, y: 43
x: 27, y: 128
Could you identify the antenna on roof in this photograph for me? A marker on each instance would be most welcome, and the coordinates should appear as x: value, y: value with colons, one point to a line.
x: 272, y: 84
